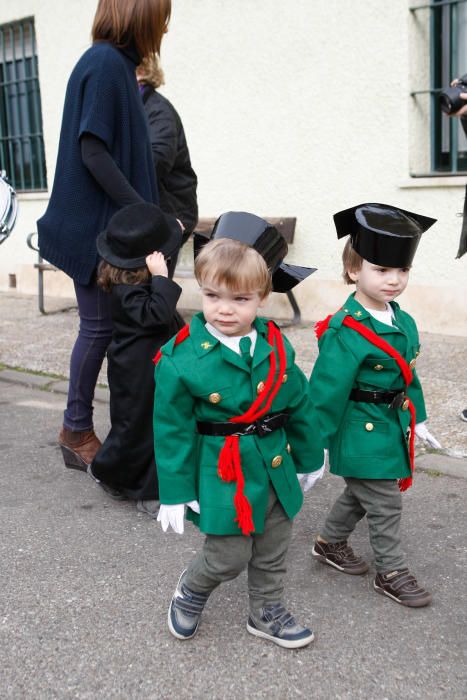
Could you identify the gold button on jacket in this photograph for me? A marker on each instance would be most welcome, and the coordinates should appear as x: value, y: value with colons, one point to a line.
x: 412, y: 363
x: 369, y: 427
x: 259, y: 387
x: 405, y: 405
x: 378, y: 368
x: 284, y: 378
x: 276, y: 462
x: 215, y: 397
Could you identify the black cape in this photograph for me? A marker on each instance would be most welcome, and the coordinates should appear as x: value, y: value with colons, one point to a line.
x: 144, y: 318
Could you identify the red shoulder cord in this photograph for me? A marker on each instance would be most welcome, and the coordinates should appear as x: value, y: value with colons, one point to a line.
x: 229, y: 465
x: 373, y: 338
x: 182, y: 335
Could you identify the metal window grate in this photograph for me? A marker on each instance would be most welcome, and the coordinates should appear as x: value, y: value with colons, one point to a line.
x: 448, y: 60
x: 21, y: 139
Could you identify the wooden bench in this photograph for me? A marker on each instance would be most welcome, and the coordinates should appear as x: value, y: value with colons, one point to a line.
x: 286, y: 226
x: 41, y: 267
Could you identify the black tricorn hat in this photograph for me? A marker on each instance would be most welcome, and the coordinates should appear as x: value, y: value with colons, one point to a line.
x: 256, y: 232
x: 382, y: 234
x: 134, y: 232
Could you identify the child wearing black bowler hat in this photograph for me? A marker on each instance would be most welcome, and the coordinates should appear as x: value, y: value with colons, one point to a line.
x: 136, y: 250
x: 367, y: 399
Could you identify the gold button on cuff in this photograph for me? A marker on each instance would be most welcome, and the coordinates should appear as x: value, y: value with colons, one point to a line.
x: 369, y: 427
x: 412, y: 363
x: 259, y: 387
x: 417, y: 353
x: 215, y: 397
x: 288, y: 448
x: 405, y: 405
x: 378, y: 368
x: 276, y: 462
x: 284, y: 378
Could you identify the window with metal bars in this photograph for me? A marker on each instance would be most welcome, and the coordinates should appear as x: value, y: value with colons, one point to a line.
x: 21, y: 139
x: 447, y: 24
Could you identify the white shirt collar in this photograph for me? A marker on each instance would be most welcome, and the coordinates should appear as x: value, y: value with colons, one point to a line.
x: 385, y: 316
x: 232, y: 341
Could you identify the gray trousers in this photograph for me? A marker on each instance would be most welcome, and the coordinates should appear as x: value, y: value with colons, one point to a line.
x: 224, y: 557
x: 381, y: 501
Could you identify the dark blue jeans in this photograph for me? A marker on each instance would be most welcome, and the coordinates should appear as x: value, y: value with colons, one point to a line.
x: 95, y: 331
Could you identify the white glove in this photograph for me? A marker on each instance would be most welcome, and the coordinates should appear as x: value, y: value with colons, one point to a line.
x: 307, y: 481
x: 175, y: 516
x: 422, y: 432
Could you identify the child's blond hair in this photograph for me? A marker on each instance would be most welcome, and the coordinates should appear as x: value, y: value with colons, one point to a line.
x: 150, y: 71
x: 351, y: 262
x: 235, y: 265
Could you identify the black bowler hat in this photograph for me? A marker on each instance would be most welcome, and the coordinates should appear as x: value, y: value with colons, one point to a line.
x: 257, y: 233
x: 382, y: 234
x: 134, y: 232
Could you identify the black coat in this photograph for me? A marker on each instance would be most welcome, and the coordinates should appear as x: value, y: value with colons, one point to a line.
x: 176, y: 178
x: 144, y: 318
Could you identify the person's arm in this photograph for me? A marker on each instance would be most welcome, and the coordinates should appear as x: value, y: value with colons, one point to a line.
x: 163, y: 135
x: 175, y: 436
x: 105, y: 171
x: 155, y: 309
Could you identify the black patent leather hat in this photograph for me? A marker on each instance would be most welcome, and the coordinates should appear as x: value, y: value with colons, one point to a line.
x: 259, y: 234
x: 134, y: 232
x: 383, y: 234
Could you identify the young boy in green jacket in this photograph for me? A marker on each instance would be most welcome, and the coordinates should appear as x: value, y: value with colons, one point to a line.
x: 232, y: 428
x: 367, y: 398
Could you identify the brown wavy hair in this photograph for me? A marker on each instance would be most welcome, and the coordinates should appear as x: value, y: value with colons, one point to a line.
x: 108, y: 276
x: 142, y: 22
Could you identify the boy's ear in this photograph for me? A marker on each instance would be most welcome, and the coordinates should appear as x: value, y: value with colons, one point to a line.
x: 353, y: 274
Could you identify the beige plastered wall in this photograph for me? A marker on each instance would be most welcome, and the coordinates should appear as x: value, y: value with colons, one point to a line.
x: 290, y: 109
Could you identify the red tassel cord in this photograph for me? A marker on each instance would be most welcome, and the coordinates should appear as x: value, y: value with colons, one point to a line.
x: 182, y: 335
x: 229, y: 464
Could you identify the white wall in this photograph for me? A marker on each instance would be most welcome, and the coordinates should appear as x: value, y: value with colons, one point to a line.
x: 293, y: 109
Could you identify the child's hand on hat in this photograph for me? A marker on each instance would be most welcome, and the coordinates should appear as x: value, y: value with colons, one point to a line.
x: 156, y: 264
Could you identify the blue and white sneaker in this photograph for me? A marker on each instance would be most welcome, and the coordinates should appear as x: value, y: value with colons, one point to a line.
x: 275, y: 623
x: 185, y: 610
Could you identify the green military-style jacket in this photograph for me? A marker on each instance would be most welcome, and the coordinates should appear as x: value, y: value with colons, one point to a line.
x: 201, y: 379
x: 365, y: 440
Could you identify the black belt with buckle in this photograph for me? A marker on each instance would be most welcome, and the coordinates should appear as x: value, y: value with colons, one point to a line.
x: 265, y: 425
x: 394, y: 399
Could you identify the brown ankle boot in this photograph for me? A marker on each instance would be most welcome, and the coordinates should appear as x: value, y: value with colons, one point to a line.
x: 78, y: 448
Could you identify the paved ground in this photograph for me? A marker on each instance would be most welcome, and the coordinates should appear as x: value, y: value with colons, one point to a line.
x: 86, y: 581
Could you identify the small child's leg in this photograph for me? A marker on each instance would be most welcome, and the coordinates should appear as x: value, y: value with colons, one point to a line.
x: 331, y: 546
x: 268, y: 617
x: 383, y: 503
x: 221, y: 559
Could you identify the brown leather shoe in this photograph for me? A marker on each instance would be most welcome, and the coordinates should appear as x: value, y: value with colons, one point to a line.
x: 402, y: 587
x: 341, y: 556
x: 78, y: 448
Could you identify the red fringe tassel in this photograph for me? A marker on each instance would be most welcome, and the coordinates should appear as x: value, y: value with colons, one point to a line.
x: 229, y: 464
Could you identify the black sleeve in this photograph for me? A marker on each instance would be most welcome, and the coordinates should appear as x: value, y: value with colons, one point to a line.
x: 105, y: 171
x: 464, y: 124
